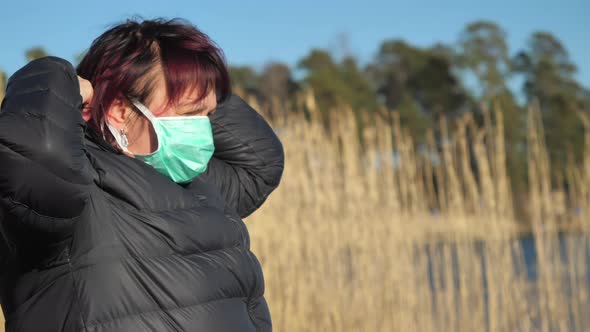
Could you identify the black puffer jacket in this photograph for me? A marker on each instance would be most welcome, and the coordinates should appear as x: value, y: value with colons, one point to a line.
x: 103, y: 242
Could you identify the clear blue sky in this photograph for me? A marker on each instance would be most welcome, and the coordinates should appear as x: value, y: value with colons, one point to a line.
x: 255, y: 32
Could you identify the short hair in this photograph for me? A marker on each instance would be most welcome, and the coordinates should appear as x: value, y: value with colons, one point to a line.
x: 123, y: 60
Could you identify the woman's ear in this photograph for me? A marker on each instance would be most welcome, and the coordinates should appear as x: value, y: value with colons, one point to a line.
x: 119, y: 113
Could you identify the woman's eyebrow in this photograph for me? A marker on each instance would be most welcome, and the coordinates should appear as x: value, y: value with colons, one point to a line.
x: 196, y: 110
x: 192, y: 107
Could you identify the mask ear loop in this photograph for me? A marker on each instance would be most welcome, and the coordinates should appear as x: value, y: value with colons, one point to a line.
x: 149, y: 115
x: 143, y: 109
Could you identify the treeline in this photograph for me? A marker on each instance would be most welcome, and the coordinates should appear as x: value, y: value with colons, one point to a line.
x: 476, y: 73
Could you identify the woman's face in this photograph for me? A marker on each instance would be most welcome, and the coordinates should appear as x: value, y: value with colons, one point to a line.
x: 140, y: 133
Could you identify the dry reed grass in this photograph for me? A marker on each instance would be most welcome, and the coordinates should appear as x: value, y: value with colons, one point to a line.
x: 418, y: 240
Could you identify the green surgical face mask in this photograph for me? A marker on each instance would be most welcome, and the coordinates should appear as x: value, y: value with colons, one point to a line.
x: 185, y: 144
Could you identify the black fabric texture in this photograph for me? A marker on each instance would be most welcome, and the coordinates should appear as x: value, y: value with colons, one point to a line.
x: 93, y: 240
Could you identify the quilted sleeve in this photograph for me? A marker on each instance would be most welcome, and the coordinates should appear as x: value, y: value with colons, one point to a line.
x: 44, y: 171
x: 248, y: 161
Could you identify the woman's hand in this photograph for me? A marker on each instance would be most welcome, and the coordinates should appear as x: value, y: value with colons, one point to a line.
x: 86, y: 91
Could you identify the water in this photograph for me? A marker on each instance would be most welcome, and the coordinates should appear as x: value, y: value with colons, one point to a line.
x: 579, y: 242
x: 566, y: 268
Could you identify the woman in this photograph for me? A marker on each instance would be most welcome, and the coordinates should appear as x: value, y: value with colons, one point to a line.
x: 121, y: 217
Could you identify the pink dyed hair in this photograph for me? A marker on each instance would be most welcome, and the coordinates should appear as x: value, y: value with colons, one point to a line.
x: 121, y: 63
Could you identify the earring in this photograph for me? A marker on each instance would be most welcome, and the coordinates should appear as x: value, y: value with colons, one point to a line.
x: 124, y: 140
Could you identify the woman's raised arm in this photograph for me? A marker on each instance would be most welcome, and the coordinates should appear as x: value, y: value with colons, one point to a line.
x: 44, y: 171
x: 248, y: 161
